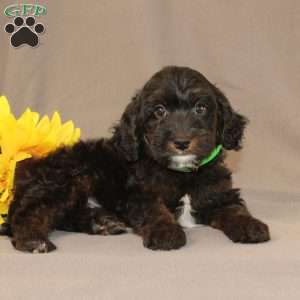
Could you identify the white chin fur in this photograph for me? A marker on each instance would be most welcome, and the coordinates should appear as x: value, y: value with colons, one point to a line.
x: 182, y: 161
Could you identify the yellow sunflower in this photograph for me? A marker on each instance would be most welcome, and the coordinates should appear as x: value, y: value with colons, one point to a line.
x: 25, y: 137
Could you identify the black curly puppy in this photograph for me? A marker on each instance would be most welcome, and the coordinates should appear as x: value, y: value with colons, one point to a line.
x: 166, y: 145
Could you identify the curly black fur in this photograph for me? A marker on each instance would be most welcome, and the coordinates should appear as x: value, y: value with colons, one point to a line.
x: 178, y: 117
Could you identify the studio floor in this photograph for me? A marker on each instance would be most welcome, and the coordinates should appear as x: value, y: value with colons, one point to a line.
x: 210, y: 266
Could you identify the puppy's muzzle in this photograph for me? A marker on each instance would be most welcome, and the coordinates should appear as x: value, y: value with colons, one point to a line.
x: 181, y: 144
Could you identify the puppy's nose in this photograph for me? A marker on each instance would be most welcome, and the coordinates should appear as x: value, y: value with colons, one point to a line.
x: 181, y: 144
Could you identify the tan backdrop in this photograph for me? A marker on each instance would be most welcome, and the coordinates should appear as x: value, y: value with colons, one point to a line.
x: 95, y: 54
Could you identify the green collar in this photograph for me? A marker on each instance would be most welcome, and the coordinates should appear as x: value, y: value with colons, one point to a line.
x: 215, y: 152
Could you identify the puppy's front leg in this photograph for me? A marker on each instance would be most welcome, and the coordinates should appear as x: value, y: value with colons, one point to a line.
x: 152, y: 220
x: 227, y: 211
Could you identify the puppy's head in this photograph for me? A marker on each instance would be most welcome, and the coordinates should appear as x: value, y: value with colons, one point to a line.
x: 178, y: 118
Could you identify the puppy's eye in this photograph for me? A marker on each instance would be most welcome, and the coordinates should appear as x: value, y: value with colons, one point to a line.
x: 160, y: 112
x: 200, y: 109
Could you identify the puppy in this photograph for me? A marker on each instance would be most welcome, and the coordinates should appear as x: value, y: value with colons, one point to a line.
x: 171, y: 134
x: 170, y: 141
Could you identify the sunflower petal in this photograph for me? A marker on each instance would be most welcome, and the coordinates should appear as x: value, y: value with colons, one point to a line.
x: 4, y: 106
x: 25, y: 137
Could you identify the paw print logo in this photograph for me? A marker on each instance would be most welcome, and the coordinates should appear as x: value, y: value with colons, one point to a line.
x: 24, y: 31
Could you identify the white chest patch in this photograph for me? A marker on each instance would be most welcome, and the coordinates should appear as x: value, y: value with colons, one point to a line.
x: 186, y: 219
x: 92, y: 203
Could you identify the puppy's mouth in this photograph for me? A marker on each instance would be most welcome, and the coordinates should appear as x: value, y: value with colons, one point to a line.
x: 183, y: 161
x: 177, y: 156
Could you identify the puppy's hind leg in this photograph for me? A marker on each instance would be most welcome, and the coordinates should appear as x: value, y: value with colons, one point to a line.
x: 30, y: 232
x: 106, y: 223
x: 32, y: 216
x: 92, y: 220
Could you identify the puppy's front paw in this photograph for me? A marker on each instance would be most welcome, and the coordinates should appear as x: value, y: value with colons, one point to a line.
x: 246, y: 229
x: 164, y: 237
x: 34, y: 246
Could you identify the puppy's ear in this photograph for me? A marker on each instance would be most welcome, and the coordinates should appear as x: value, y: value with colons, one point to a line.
x: 231, y: 125
x: 125, y: 134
